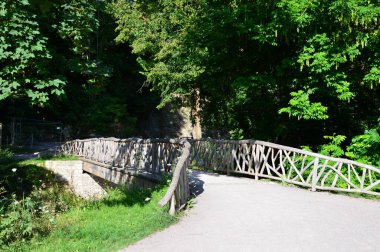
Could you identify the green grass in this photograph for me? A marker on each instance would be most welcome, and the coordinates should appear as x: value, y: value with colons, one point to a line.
x: 41, y: 160
x: 123, y: 218
x: 63, y: 158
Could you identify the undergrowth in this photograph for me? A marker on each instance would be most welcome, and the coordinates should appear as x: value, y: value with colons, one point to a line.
x: 39, y: 213
x: 30, y: 199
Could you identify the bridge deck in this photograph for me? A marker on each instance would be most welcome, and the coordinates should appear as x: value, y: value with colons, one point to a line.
x: 240, y: 214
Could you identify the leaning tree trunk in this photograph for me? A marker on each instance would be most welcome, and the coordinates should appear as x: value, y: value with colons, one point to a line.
x: 196, y: 113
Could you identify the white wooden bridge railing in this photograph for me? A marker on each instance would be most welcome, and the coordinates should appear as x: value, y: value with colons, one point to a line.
x: 251, y: 157
x: 273, y: 161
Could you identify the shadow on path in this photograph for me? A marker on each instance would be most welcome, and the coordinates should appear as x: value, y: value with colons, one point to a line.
x: 196, y: 183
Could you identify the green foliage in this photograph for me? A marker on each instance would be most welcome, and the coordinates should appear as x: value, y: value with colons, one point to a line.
x: 80, y: 25
x: 109, y: 115
x: 365, y: 148
x: 6, y: 156
x: 164, y: 36
x: 98, y: 225
x: 17, y: 222
x: 317, y: 61
x: 39, y: 213
x: 308, y: 59
x: 24, y: 56
x: 102, y: 91
x: 347, y: 34
x: 30, y: 199
x: 333, y: 148
x: 237, y: 134
x: 301, y: 107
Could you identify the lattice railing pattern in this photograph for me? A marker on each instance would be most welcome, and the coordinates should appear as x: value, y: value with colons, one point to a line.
x: 251, y: 157
x: 155, y: 156
x: 152, y: 155
x: 291, y: 165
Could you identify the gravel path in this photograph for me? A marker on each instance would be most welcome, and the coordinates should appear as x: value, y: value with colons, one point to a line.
x: 240, y: 214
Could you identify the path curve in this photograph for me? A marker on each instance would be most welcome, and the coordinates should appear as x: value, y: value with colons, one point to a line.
x: 240, y: 214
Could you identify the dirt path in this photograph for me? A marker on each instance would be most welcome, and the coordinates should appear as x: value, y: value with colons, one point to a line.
x: 240, y: 214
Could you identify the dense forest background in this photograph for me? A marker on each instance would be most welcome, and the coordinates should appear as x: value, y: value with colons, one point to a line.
x: 297, y: 72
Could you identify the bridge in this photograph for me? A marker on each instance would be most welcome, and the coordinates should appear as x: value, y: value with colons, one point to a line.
x: 118, y: 159
x: 239, y: 212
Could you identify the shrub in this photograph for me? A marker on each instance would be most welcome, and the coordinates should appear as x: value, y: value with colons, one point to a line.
x: 22, y: 219
x: 6, y: 155
x: 30, y: 199
x: 17, y: 222
x: 333, y: 148
x: 365, y: 148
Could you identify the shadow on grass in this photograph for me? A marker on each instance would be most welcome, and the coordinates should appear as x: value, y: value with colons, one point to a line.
x: 20, y: 179
x: 131, y: 195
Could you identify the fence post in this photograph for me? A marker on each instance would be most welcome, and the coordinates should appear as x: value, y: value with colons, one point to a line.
x: 228, y: 158
x: 315, y: 175
x: 172, y: 206
x: 257, y: 161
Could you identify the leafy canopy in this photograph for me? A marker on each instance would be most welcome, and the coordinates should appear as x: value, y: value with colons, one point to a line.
x: 24, y: 56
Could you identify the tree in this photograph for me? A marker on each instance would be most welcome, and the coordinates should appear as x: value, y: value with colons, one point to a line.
x: 24, y: 56
x: 316, y: 61
x: 165, y: 36
x: 338, y: 44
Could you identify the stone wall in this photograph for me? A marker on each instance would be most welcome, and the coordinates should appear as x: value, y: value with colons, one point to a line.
x: 71, y: 172
x: 85, y: 186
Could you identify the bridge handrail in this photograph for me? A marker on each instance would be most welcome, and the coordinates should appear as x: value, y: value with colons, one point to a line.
x: 250, y: 157
x: 283, y: 147
x: 291, y: 165
x: 132, y: 139
x: 178, y: 191
x: 151, y: 155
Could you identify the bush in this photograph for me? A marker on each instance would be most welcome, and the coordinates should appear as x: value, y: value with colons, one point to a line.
x: 365, y: 148
x: 22, y: 219
x: 6, y: 156
x: 17, y: 221
x: 30, y: 199
x: 333, y: 148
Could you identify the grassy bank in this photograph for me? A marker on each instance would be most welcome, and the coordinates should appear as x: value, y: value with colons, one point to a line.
x: 123, y: 218
x: 55, y: 220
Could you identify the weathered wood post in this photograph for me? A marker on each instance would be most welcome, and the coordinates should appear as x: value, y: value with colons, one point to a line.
x: 315, y: 175
x: 228, y: 158
x: 257, y: 162
x: 172, y: 206
x: 178, y: 184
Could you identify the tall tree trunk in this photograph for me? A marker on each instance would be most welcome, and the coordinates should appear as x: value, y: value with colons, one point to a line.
x: 196, y: 113
x: 1, y: 134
